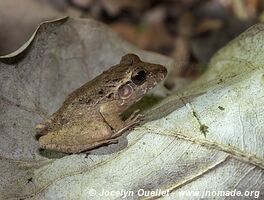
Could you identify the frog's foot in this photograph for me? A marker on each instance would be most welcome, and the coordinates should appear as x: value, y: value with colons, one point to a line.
x: 134, y: 118
x: 104, y: 143
x: 112, y: 142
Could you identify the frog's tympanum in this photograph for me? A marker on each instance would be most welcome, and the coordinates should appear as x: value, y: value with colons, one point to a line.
x: 90, y: 116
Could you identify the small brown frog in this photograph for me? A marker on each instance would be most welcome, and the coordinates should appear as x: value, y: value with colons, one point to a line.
x: 90, y: 116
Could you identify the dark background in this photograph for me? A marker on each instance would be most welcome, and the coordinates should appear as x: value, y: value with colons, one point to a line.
x: 190, y: 31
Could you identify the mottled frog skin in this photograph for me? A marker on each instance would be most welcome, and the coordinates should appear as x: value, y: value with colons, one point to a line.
x: 90, y: 116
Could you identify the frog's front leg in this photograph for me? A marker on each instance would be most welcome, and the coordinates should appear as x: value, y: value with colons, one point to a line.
x: 110, y: 113
x: 134, y: 118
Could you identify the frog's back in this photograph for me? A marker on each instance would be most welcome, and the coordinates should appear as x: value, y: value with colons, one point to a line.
x: 97, y: 90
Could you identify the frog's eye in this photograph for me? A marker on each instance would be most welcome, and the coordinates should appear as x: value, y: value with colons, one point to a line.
x: 125, y: 91
x: 138, y: 77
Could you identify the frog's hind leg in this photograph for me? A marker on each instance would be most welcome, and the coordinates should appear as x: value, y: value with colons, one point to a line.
x: 77, y: 136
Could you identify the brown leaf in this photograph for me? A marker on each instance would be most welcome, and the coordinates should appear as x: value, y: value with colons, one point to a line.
x: 61, y: 57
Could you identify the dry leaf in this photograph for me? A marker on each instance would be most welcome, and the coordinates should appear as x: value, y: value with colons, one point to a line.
x: 210, y: 137
x: 19, y: 19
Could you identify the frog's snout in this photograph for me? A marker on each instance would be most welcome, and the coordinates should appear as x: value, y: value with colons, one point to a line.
x: 159, y: 72
x: 41, y: 129
x: 163, y: 72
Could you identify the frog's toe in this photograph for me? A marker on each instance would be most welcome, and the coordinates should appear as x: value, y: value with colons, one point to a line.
x: 134, y: 118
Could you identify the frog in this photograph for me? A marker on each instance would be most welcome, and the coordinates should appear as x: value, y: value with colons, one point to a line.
x: 91, y: 116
